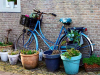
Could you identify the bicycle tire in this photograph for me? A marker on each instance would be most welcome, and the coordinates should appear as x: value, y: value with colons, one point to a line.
x: 86, y: 51
x: 21, y: 41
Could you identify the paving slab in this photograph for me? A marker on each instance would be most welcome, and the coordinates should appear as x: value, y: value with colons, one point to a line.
x: 7, y: 69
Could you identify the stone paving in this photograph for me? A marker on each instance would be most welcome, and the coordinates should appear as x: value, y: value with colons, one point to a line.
x: 7, y: 69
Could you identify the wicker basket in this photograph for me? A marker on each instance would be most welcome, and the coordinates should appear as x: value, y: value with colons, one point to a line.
x: 90, y: 68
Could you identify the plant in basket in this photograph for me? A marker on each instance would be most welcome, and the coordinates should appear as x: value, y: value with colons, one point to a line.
x: 71, y: 60
x: 28, y: 57
x: 73, y: 39
x: 92, y: 63
x: 52, y: 59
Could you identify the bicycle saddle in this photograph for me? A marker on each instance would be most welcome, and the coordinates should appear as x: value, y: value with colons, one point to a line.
x: 66, y: 20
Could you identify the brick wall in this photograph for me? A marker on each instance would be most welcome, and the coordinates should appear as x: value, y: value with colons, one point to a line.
x: 83, y: 13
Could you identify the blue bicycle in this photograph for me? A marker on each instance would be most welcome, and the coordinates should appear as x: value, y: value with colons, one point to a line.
x: 28, y: 39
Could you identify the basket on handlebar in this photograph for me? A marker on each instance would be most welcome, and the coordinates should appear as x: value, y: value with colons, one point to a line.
x: 29, y: 22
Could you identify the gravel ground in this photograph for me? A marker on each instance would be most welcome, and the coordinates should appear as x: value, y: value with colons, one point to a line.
x: 40, y: 70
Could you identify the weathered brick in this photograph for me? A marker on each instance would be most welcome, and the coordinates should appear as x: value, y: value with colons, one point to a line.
x: 84, y: 13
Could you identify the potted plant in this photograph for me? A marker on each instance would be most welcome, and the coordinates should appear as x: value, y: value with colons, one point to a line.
x: 5, y: 44
x: 73, y: 40
x: 4, y: 54
x: 11, y: 3
x: 29, y: 58
x: 92, y: 63
x: 52, y: 59
x: 71, y: 60
x: 13, y: 57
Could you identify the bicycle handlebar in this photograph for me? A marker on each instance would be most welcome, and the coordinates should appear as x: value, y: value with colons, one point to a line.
x: 44, y: 13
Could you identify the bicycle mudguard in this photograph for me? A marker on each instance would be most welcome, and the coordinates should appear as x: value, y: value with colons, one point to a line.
x: 79, y: 29
x: 88, y: 40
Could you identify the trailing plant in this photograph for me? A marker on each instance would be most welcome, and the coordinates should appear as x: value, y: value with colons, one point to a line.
x: 71, y: 53
x: 92, y: 60
x: 13, y: 52
x: 28, y: 52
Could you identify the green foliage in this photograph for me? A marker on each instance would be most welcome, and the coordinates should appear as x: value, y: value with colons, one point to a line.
x: 71, y: 53
x: 13, y: 52
x: 34, y: 15
x: 3, y: 50
x: 92, y: 60
x: 3, y: 44
x: 28, y: 52
x: 63, y: 42
x: 74, y: 36
x: 11, y: 0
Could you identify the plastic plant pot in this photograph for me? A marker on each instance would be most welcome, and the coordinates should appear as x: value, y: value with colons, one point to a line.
x: 52, y: 61
x: 4, y: 56
x: 71, y: 65
x: 13, y: 59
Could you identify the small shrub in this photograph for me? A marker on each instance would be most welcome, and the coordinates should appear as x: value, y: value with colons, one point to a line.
x: 28, y: 52
x: 71, y: 53
x: 92, y: 60
x: 13, y: 52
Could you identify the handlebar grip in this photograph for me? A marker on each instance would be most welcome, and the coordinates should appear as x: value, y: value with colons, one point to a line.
x: 36, y: 10
x: 53, y: 14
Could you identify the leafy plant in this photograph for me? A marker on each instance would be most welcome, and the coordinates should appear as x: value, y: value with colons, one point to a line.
x: 3, y: 50
x: 28, y: 52
x: 71, y: 53
x: 92, y: 60
x: 11, y: 0
x: 13, y: 52
x: 72, y: 35
x: 3, y: 44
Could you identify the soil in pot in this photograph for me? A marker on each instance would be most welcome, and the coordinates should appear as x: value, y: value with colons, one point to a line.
x: 52, y: 60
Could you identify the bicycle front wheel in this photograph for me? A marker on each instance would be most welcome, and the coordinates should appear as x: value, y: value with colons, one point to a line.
x: 26, y: 41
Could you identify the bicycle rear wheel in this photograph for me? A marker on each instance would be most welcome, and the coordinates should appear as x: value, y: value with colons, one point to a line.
x: 85, y: 48
x: 25, y: 42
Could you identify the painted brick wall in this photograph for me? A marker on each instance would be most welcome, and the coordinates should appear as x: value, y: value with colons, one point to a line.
x: 84, y: 13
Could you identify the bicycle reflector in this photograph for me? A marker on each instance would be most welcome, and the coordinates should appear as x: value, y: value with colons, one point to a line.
x: 85, y: 29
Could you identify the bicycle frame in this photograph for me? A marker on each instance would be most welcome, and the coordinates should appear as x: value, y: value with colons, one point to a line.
x: 43, y: 37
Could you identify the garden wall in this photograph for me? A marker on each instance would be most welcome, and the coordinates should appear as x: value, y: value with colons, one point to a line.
x: 84, y: 13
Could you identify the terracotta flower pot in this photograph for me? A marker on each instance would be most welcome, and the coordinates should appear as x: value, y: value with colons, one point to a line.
x: 30, y: 61
x: 90, y: 68
x: 6, y: 47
